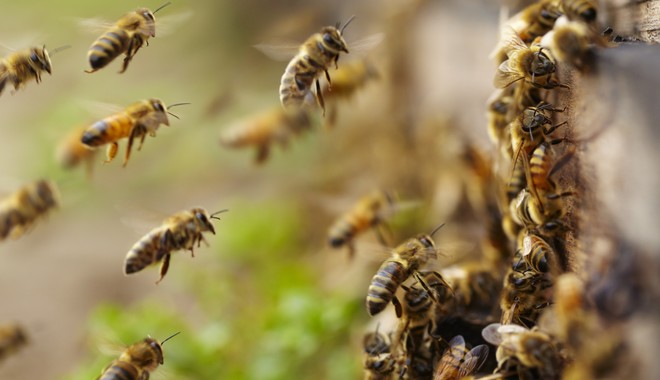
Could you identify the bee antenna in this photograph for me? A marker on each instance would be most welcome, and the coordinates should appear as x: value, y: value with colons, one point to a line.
x: 346, y: 24
x: 170, y: 113
x: 170, y: 337
x: 162, y: 6
x: 177, y: 104
x: 213, y: 216
x: 436, y: 229
x: 52, y: 52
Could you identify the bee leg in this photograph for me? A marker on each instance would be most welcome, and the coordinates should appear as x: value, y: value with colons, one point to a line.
x: 164, y: 267
x: 398, y: 309
x: 319, y: 96
x: 425, y: 286
x: 111, y: 152
x: 137, y: 130
x: 351, y: 249
x: 327, y: 76
x: 141, y: 142
x: 262, y: 153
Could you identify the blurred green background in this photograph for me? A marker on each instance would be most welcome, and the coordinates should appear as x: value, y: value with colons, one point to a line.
x: 267, y: 299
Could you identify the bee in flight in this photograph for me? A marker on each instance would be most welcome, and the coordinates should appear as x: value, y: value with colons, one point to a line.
x: 23, y: 66
x: 136, y: 121
x: 265, y: 129
x: 405, y: 261
x: 71, y: 152
x: 127, y: 36
x: 23, y: 208
x: 12, y: 338
x: 369, y: 212
x: 178, y: 232
x: 137, y: 361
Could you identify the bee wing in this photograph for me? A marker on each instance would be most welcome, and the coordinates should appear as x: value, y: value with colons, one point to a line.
x: 512, y: 41
x: 140, y: 219
x: 492, y: 335
x: 363, y: 45
x: 169, y: 23
x: 279, y: 49
x: 506, y: 75
x: 99, y: 110
x: 94, y: 25
x: 473, y: 360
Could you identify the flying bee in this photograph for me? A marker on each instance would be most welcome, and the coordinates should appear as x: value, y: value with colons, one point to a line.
x: 71, y: 152
x: 20, y: 67
x: 532, y: 348
x: 534, y: 64
x: 570, y: 41
x: 275, y: 125
x: 346, y: 81
x: 457, y: 361
x: 178, y: 232
x: 406, y: 259
x: 12, y: 339
x: 135, y: 121
x: 127, y: 36
x: 24, y: 207
x: 369, y: 212
x: 137, y: 361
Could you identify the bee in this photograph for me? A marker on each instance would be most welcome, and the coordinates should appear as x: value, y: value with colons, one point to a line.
x: 346, y: 81
x: 314, y: 57
x: 24, y: 207
x: 537, y: 255
x: 369, y: 212
x: 379, y: 366
x: 127, y: 36
x: 457, y: 361
x: 498, y: 117
x: 476, y: 288
x: 580, y: 10
x: 71, y: 152
x: 20, y: 67
x: 178, y: 232
x: 570, y: 41
x: 12, y: 339
x: 531, y: 348
x: 524, y: 294
x: 137, y: 361
x: 264, y: 129
x: 136, y: 121
x: 533, y: 64
x: 406, y: 259
x: 535, y: 20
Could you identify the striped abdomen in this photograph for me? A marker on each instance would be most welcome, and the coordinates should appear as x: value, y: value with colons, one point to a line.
x: 346, y: 228
x: 120, y: 370
x: 297, y: 81
x: 145, y: 252
x: 391, y: 274
x: 540, y: 165
x: 107, y: 47
x: 108, y: 130
x: 518, y: 180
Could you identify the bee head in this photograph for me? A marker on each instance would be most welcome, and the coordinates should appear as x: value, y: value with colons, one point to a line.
x: 426, y: 241
x: 161, y: 111
x: 149, y: 26
x: 333, y: 39
x: 40, y: 59
x: 155, y: 348
x: 542, y: 64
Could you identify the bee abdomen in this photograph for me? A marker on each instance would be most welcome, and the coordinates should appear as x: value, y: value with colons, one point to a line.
x: 120, y: 371
x: 107, y: 48
x: 145, y: 252
x: 384, y: 284
x: 107, y: 130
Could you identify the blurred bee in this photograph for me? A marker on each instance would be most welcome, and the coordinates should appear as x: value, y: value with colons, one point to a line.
x: 127, y: 36
x: 264, y: 129
x: 535, y: 20
x: 378, y: 362
x: 498, y: 117
x: 20, y: 67
x: 580, y: 10
x: 532, y: 348
x: 346, y: 81
x: 457, y: 361
x: 369, y: 212
x: 406, y: 259
x: 178, y: 232
x: 71, y: 151
x: 315, y: 56
x: 570, y: 41
x: 137, y: 361
x: 534, y: 65
x: 476, y: 288
x: 12, y: 338
x: 24, y: 207
x: 135, y: 121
